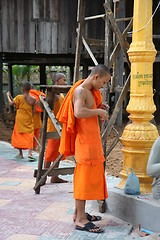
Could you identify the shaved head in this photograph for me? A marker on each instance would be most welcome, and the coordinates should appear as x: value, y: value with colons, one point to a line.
x: 26, y: 86
x: 57, y: 76
x: 101, y: 70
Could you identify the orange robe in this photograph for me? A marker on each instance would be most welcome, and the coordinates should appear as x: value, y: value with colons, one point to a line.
x: 52, y: 149
x: 37, y: 116
x: 22, y: 136
x: 82, y: 138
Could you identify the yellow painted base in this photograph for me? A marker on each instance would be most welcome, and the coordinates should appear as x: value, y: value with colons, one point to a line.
x: 138, y: 139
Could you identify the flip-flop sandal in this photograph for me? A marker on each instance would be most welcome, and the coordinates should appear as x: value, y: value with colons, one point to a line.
x: 32, y: 159
x: 93, y: 218
x: 90, y: 227
x: 18, y: 157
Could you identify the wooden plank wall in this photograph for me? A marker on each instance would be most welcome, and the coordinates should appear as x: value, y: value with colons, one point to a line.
x: 17, y: 29
x: 43, y: 26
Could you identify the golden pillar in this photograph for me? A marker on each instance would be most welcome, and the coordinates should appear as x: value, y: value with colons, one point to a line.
x: 139, y: 136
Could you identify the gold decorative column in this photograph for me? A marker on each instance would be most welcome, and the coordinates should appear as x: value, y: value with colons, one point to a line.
x: 139, y: 136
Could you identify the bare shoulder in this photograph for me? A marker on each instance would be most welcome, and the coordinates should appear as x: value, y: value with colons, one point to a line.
x: 79, y: 93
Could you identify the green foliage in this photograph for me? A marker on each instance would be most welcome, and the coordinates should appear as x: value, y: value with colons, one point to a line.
x: 21, y: 73
x: 31, y: 73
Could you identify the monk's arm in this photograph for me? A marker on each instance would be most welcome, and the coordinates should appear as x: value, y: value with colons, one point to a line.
x: 11, y: 102
x: 34, y: 109
x: 80, y: 109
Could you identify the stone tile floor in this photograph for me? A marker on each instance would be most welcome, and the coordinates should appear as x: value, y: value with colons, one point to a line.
x: 25, y: 215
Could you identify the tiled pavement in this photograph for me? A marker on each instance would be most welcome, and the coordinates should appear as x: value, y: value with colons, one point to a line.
x: 25, y: 215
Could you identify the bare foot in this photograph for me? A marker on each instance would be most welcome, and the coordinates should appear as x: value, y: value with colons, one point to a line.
x: 56, y: 179
x: 89, y: 217
x: 81, y: 223
x: 19, y: 156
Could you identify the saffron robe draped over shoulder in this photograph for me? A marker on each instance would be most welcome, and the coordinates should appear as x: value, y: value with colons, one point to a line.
x: 52, y: 149
x: 81, y: 137
x: 66, y: 117
x: 22, y: 136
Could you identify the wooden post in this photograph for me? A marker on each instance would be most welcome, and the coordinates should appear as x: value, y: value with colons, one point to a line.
x: 85, y: 70
x: 10, y: 83
x: 71, y: 74
x: 41, y: 155
x: 80, y: 20
x: 1, y: 84
x: 120, y: 59
x: 105, y: 94
x: 42, y: 74
x: 115, y: 28
x: 28, y: 73
x: 107, y: 37
x: 116, y: 110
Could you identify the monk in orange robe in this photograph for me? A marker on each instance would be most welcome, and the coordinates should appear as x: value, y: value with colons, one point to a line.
x: 81, y: 136
x: 53, y: 144
x: 22, y: 137
x: 37, y: 116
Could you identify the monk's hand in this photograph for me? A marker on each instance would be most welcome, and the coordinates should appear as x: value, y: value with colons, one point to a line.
x: 104, y: 106
x: 103, y: 114
x: 8, y: 94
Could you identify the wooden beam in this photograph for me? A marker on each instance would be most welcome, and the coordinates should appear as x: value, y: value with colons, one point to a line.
x: 85, y: 71
x: 118, y: 47
x: 1, y: 84
x: 116, y: 30
x: 56, y: 88
x: 43, y: 74
x: 116, y: 111
x: 89, y: 51
x: 123, y: 19
x: 51, y: 115
x: 41, y: 155
x: 38, y: 183
x: 95, y: 42
x: 120, y: 59
x: 94, y: 17
x: 56, y: 171
x: 52, y: 135
x: 10, y: 84
x: 80, y: 19
x: 71, y: 74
